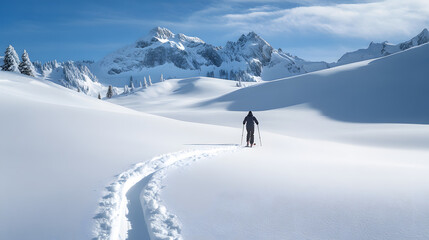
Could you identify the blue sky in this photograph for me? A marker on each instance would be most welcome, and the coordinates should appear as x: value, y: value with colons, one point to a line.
x: 311, y: 29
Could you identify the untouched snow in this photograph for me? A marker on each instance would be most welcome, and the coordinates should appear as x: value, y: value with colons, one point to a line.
x: 306, y: 190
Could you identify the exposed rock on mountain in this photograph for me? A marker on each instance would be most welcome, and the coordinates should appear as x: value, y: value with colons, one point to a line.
x: 250, y: 58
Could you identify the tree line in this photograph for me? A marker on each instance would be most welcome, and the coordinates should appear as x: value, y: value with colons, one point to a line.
x: 130, y: 87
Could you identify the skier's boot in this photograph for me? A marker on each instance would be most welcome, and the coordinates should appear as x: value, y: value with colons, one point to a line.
x: 247, y: 144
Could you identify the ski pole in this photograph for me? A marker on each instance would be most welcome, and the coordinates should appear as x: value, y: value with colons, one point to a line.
x: 242, y: 132
x: 259, y: 132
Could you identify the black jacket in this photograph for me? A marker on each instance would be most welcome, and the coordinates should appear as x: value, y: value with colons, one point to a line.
x: 250, y: 121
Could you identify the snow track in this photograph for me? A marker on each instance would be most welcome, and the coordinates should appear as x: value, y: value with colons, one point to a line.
x: 111, y: 221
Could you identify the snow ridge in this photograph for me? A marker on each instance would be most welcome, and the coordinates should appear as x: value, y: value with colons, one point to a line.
x: 376, y: 50
x: 111, y: 220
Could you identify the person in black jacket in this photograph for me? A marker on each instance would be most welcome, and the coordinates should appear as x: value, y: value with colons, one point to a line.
x: 250, y: 121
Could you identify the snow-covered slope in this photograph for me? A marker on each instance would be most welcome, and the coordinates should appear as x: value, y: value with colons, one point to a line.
x: 177, y: 55
x: 59, y: 150
x: 376, y: 50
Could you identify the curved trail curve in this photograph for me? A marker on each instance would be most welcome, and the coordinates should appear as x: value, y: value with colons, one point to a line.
x: 141, y: 185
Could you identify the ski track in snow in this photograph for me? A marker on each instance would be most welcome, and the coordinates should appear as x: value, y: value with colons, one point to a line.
x: 111, y: 220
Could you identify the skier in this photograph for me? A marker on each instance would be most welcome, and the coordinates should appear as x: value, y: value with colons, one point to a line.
x: 250, y: 121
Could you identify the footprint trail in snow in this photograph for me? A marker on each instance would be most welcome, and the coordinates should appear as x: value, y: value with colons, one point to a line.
x: 111, y: 220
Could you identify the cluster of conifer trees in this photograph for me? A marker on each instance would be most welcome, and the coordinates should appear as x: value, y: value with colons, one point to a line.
x: 130, y: 87
x: 12, y: 63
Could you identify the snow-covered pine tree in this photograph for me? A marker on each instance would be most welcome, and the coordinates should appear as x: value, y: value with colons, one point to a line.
x: 131, y: 81
x: 26, y: 67
x: 162, y: 78
x: 141, y: 86
x: 109, y: 92
x: 239, y: 84
x: 126, y: 89
x: 11, y: 60
x: 131, y: 85
x: 150, y: 81
x: 144, y: 82
x: 99, y: 96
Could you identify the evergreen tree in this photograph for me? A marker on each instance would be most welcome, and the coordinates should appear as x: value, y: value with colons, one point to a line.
x: 131, y: 85
x: 126, y: 89
x: 109, y: 92
x: 150, y: 81
x: 239, y: 84
x: 99, y: 96
x: 131, y: 82
x: 11, y: 60
x: 144, y: 82
x: 26, y: 67
x: 162, y: 78
x: 141, y: 86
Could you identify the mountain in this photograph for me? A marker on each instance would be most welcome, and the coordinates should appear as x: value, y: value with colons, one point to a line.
x: 73, y: 75
x: 250, y: 58
x: 376, y: 50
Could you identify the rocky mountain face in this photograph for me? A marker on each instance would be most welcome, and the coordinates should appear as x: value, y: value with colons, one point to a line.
x: 250, y: 58
x: 376, y: 50
x: 73, y: 75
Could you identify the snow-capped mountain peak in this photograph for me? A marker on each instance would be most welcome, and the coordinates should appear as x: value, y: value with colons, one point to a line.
x: 178, y: 55
x: 161, y: 33
x: 252, y: 37
x: 164, y: 35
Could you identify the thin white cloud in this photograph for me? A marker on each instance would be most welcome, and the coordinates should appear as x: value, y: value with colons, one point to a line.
x: 369, y: 20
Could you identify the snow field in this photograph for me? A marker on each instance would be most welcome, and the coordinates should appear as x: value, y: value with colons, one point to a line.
x: 59, y: 149
x: 295, y: 188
